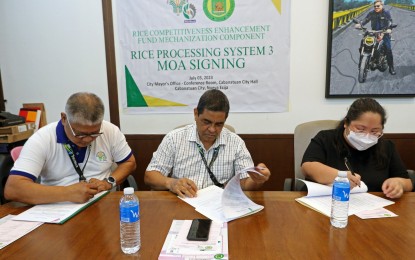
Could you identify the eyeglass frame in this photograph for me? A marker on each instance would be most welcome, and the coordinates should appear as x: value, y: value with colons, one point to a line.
x: 83, y: 135
x: 377, y: 6
x: 364, y: 133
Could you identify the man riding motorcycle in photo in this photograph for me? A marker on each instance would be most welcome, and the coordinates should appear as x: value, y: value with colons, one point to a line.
x: 381, y: 19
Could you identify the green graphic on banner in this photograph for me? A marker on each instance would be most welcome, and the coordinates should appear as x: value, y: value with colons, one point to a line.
x: 177, y: 5
x: 189, y: 11
x: 218, y: 10
x: 136, y: 99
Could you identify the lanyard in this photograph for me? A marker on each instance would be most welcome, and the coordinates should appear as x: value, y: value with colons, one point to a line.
x: 215, y: 155
x: 75, y: 164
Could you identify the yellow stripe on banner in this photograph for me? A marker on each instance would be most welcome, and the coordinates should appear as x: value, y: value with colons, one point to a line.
x: 158, y: 102
x: 277, y: 4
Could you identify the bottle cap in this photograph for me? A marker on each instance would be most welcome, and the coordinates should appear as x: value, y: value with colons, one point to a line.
x: 342, y: 174
x: 129, y: 190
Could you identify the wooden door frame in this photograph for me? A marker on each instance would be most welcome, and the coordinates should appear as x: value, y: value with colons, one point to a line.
x: 111, y: 63
x: 2, y: 100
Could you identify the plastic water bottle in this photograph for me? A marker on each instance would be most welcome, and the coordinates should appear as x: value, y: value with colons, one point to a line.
x: 130, y: 222
x: 340, y: 200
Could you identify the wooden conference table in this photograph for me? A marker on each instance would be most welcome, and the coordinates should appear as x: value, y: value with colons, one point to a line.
x: 284, y: 229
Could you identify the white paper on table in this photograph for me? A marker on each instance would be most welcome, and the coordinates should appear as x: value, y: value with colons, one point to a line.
x: 317, y: 189
x: 358, y: 202
x: 55, y: 212
x: 205, y: 196
x: 11, y: 230
x: 223, y: 205
x: 202, y: 247
x: 208, y: 202
x: 176, y: 245
x: 235, y: 203
x: 376, y: 213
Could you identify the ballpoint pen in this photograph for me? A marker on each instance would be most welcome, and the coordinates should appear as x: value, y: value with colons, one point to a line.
x: 349, y: 167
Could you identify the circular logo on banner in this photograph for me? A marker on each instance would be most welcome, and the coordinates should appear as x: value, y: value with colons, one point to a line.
x: 218, y: 10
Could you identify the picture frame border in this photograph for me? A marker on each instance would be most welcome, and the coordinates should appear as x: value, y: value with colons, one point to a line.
x: 328, y: 95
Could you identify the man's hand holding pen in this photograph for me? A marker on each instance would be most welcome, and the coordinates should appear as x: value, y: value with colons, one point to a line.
x: 81, y: 192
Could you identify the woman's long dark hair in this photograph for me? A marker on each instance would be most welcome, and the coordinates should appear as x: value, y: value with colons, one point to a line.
x: 359, y: 107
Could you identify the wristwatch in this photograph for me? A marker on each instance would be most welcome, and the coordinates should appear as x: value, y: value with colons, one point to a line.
x: 111, y: 180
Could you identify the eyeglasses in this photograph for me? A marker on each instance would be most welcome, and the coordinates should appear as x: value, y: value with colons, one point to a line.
x: 363, y: 133
x: 82, y: 136
x: 377, y: 6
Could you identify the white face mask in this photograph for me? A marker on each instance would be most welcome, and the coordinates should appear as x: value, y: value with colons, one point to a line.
x: 361, y: 142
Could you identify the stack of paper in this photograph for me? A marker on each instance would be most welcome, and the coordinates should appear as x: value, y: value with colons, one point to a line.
x: 57, y: 213
x: 11, y: 230
x: 319, y: 199
x: 176, y: 246
x: 223, y: 205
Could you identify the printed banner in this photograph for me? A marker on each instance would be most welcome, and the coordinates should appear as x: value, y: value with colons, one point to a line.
x: 171, y: 51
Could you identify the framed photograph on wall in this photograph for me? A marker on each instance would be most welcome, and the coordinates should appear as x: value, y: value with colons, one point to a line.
x: 371, y: 49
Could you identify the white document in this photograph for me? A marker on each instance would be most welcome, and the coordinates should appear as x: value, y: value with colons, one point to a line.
x: 235, y: 203
x: 316, y: 189
x: 11, y: 230
x: 376, y: 213
x: 176, y: 245
x: 223, y: 205
x: 57, y: 213
x: 319, y: 199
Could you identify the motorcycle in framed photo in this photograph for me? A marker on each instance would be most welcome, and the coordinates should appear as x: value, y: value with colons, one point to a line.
x: 371, y: 49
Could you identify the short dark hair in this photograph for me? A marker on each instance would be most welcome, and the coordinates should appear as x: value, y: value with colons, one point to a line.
x: 84, y: 108
x: 363, y: 105
x: 213, y: 100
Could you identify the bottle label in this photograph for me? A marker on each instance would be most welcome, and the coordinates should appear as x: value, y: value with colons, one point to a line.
x: 129, y: 214
x: 341, y: 191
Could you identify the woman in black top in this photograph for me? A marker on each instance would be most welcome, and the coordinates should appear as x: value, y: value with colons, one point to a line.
x: 358, y: 138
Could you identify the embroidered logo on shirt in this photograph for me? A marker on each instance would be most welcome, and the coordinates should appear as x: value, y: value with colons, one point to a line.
x: 101, y: 157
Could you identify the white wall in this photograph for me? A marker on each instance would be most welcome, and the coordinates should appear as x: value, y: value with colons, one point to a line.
x: 52, y: 48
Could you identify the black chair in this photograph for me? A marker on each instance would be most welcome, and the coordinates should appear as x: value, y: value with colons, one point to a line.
x: 6, y: 164
x: 129, y: 182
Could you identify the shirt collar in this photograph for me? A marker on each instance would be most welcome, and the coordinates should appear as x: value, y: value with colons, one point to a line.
x: 194, y: 137
x: 62, y: 138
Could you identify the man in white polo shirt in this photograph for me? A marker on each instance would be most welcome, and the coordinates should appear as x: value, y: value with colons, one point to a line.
x: 73, y: 157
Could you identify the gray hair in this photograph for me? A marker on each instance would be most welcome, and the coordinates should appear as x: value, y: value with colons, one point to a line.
x: 84, y: 108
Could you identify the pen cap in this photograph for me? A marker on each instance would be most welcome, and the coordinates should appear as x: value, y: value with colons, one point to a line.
x: 342, y: 174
